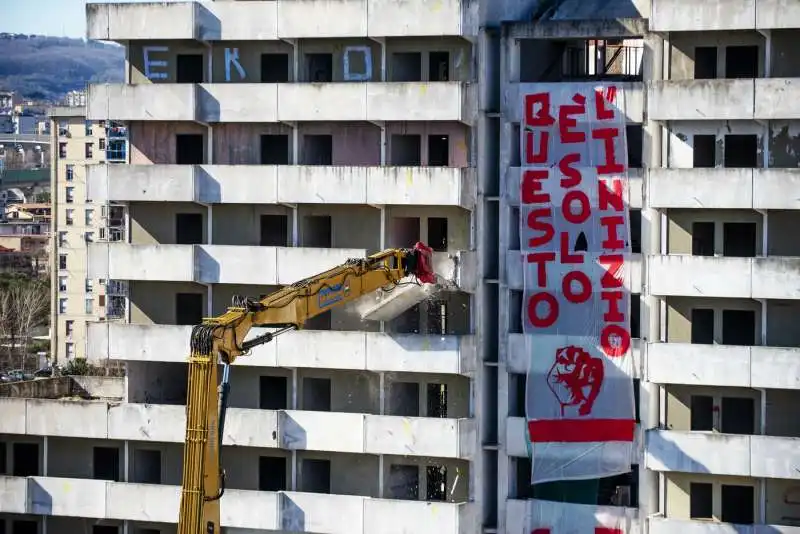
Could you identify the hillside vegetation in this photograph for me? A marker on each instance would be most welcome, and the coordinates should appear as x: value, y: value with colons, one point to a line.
x: 45, y: 68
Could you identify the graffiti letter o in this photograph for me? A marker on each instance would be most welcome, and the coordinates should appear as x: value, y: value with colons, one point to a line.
x: 552, y: 314
x: 624, y: 337
x: 583, y: 280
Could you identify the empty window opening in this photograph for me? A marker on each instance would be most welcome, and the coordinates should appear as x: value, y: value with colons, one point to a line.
x: 437, y: 317
x: 316, y: 476
x: 272, y: 473
x: 633, y: 138
x: 637, y: 398
x: 741, y: 151
x: 436, y: 478
x: 274, y: 68
x: 317, y: 231
x: 516, y: 404
x: 739, y: 327
x: 738, y: 415
x: 105, y: 461
x: 437, y: 233
x: 403, y: 482
x: 701, y: 413
x: 737, y: 504
x: 407, y: 322
x: 405, y: 231
x: 407, y: 150
x: 25, y: 527
x: 273, y: 392
x: 62, y: 150
x: 317, y: 150
x: 189, y: 149
x: 513, y: 228
x: 705, y: 62
x: 635, y: 218
x: 516, y: 138
x: 701, y: 501
x: 704, y: 151
x: 703, y: 326
x: 189, y: 228
x: 404, y: 399
x: 635, y: 311
x: 189, y: 68
x: 741, y: 61
x: 437, y: 400
x: 406, y: 67
x: 147, y: 466
x: 25, y: 459
x: 703, y: 239
x: 524, y: 489
x: 105, y: 529
x: 439, y: 67
x: 739, y: 239
x: 515, y: 313
x: 3, y: 464
x: 189, y: 308
x: 89, y: 150
x: 275, y: 150
x: 274, y: 231
x: 319, y: 68
x: 438, y: 150
x: 317, y: 394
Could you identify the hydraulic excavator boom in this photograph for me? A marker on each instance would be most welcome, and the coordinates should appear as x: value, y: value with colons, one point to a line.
x: 220, y: 340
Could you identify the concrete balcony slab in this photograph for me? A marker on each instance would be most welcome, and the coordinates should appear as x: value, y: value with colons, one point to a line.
x: 722, y: 454
x: 513, y: 175
x: 290, y: 184
x: 514, y: 271
x: 367, y: 351
x: 746, y: 367
x: 289, y: 102
x: 281, y: 19
x: 773, y: 277
x: 701, y: 100
x: 519, y: 512
x: 722, y: 15
x: 663, y: 525
x: 256, y: 510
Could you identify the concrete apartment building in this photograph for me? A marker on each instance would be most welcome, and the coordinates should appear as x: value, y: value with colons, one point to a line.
x: 269, y: 140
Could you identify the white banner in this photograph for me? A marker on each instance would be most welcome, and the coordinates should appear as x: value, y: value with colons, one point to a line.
x: 574, y: 234
x: 546, y: 517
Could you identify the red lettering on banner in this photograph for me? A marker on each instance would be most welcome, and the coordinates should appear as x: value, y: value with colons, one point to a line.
x: 540, y: 155
x: 604, y: 113
x: 532, y: 187
x: 536, y: 223
x: 564, y: 256
x: 552, y: 314
x: 612, y: 241
x: 615, y: 340
x: 573, y: 196
x: 613, y: 298
x: 611, y: 196
x: 540, y: 117
x: 611, y: 165
x: 573, y: 175
x: 541, y: 259
x: 612, y: 278
x: 581, y: 279
x: 566, y: 120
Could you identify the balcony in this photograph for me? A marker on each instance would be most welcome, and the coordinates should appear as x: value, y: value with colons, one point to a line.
x: 745, y: 367
x: 517, y: 435
x: 213, y: 264
x: 289, y: 184
x: 258, y: 510
x: 273, y: 20
x: 286, y: 429
x: 513, y: 181
x: 722, y: 454
x: 518, y: 357
x: 724, y: 99
x: 759, y: 189
x: 772, y: 277
x: 716, y: 15
x: 633, y: 94
x: 662, y: 525
x: 285, y: 102
x: 519, y: 512
x: 367, y: 351
x: 514, y: 271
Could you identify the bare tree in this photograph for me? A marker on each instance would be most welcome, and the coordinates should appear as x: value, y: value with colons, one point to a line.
x: 6, y: 323
x: 30, y: 305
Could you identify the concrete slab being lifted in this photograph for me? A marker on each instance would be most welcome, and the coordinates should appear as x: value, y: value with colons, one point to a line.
x: 387, y: 305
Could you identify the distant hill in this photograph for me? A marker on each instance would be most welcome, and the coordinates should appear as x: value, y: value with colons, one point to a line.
x: 40, y: 67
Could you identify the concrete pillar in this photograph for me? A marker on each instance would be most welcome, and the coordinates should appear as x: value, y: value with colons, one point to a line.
x: 45, y: 455
x: 295, y: 227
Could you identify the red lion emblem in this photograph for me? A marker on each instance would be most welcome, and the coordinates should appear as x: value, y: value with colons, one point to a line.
x: 575, y: 379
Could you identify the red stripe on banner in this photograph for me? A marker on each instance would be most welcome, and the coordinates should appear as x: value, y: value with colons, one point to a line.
x: 581, y: 431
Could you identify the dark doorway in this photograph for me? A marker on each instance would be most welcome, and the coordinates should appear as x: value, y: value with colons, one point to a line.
x: 317, y: 150
x: 189, y: 228
x: 317, y: 394
x: 188, y: 308
x: 189, y: 149
x: 439, y: 67
x: 25, y: 462
x: 704, y: 155
x: 274, y: 68
x: 705, y: 62
x: 702, y: 326
x: 438, y: 150
x: 437, y: 233
x: 406, y: 67
x: 273, y: 392
x: 319, y: 68
x: 739, y: 239
x: 741, y: 151
x: 274, y: 149
x: 189, y: 68
x: 316, y: 476
x: 272, y: 473
x: 274, y: 231
x: 741, y: 61
x: 317, y: 231
x: 407, y: 150
x: 106, y: 463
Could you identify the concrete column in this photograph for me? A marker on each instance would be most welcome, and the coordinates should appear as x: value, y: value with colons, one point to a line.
x: 295, y: 145
x: 384, y: 70
x: 210, y: 225
x: 513, y: 58
x: 295, y: 227
x: 381, y: 482
x: 45, y: 455
x: 44, y: 524
x: 383, y: 144
x: 126, y: 461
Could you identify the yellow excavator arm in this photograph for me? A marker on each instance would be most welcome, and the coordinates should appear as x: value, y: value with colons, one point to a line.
x: 220, y: 340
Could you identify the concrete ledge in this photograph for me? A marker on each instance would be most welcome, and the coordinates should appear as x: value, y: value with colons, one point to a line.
x: 621, y: 28
x: 663, y: 525
x: 81, y: 387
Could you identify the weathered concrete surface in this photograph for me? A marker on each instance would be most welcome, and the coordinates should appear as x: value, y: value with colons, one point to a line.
x: 85, y: 387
